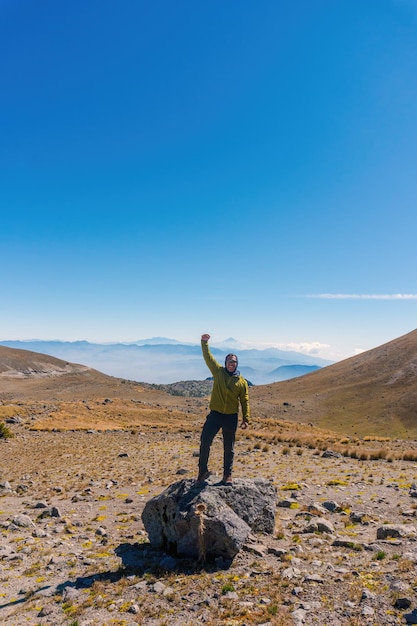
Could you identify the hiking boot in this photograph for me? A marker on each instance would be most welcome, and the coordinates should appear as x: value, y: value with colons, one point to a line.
x: 203, y: 476
x: 227, y: 480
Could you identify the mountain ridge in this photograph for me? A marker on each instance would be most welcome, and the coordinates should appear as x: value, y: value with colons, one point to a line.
x: 371, y: 394
x: 165, y: 363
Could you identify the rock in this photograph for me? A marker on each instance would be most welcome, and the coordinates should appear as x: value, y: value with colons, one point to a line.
x: 23, y: 521
x: 230, y: 595
x: 256, y: 548
x: 320, y: 525
x: 5, y: 485
x: 287, y: 503
x: 314, y: 578
x: 368, y: 595
x: 358, y: 518
x: 208, y: 520
x: 299, y: 616
x: 50, y: 512
x: 70, y: 594
x: 330, y: 454
x: 395, y: 530
x: 46, y: 610
x: 5, y: 552
x: 291, y: 572
x: 331, y: 506
x: 402, y: 603
x: 367, y: 611
x: 316, y: 509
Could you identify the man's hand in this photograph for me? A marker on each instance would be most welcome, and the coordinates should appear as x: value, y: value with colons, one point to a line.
x: 244, y: 425
x: 205, y: 337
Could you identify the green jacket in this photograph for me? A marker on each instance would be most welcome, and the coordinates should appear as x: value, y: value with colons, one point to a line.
x: 228, y: 390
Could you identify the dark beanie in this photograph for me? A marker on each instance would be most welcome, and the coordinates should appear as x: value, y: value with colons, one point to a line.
x: 229, y: 356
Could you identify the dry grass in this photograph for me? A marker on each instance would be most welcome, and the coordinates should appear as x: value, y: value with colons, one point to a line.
x: 59, y: 465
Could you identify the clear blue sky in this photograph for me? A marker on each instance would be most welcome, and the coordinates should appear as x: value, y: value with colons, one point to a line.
x: 172, y: 168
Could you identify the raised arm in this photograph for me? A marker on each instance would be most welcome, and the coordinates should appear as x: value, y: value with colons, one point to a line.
x: 208, y: 357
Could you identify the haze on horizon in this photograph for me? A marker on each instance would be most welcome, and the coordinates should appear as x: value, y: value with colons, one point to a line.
x: 242, y: 169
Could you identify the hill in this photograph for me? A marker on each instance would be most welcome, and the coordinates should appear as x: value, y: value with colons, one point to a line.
x: 31, y: 376
x: 374, y: 393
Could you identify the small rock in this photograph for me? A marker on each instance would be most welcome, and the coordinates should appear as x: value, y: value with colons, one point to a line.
x: 401, y: 531
x: 320, y: 525
x: 367, y: 611
x: 331, y: 506
x: 230, y: 595
x: 299, y: 616
x: 287, y: 503
x: 402, y: 603
x: 314, y: 578
x: 70, y: 594
x: 46, y: 610
x: 23, y: 521
x: 331, y: 454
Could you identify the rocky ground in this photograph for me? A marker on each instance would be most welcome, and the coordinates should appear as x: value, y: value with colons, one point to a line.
x: 74, y: 551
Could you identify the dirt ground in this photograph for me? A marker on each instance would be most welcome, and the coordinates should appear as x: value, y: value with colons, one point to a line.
x: 74, y: 550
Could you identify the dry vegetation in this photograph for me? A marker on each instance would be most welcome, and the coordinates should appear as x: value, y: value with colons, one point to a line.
x: 97, y: 447
x: 99, y: 473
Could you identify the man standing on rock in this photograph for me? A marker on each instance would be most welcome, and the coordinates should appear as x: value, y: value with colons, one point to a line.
x: 229, y: 388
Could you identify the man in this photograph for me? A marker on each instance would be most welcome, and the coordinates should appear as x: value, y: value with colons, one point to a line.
x: 229, y: 389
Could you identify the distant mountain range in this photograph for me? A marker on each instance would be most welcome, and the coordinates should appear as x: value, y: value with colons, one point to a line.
x: 163, y: 361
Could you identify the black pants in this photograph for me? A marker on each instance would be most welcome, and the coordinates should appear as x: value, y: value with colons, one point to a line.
x: 214, y: 422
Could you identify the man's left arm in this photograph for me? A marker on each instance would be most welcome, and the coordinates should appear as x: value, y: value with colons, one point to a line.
x: 244, y: 401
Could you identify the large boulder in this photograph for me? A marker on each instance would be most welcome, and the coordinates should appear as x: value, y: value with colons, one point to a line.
x: 208, y: 520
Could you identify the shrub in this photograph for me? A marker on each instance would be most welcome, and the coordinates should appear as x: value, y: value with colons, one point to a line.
x: 5, y: 433
x: 409, y: 456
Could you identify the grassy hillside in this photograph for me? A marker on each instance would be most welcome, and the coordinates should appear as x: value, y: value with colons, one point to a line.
x: 374, y: 393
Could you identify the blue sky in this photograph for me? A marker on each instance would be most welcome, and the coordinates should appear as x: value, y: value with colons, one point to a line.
x: 242, y: 168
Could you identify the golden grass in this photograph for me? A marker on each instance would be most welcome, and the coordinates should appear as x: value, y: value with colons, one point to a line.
x: 264, y: 434
x: 101, y: 416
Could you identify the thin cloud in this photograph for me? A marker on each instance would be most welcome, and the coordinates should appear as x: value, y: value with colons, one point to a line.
x: 364, y: 296
x: 305, y: 348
